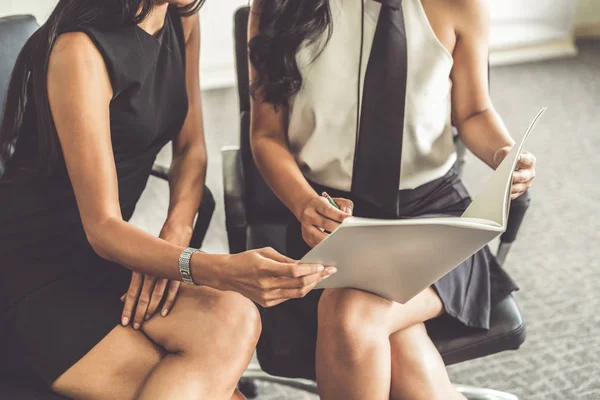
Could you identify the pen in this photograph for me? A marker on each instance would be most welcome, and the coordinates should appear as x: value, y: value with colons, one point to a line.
x: 330, y: 200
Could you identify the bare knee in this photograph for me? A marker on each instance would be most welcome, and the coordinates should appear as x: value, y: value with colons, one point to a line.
x: 205, y: 321
x: 352, y: 323
x: 353, y: 312
x: 234, y: 327
x: 239, y: 324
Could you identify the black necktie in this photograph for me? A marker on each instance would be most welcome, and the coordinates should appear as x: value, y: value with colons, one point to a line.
x: 378, y: 152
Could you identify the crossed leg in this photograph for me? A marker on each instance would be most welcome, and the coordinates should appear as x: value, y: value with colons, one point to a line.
x: 371, y: 348
x: 198, y: 352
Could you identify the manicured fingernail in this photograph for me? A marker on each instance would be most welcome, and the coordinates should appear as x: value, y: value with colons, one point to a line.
x: 125, y: 321
x: 164, y: 312
x: 331, y: 271
x: 320, y: 268
x: 136, y: 326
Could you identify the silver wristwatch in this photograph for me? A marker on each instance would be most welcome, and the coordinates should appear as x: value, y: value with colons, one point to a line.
x: 184, y: 265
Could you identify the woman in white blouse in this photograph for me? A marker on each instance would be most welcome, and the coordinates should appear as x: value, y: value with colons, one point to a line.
x: 306, y: 80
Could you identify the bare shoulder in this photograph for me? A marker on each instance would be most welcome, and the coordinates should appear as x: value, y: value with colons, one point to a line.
x: 458, y: 12
x: 75, y: 48
x: 469, y: 15
x: 190, y: 24
x: 74, y: 55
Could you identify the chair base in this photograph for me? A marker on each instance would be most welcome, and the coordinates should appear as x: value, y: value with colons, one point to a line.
x: 475, y: 393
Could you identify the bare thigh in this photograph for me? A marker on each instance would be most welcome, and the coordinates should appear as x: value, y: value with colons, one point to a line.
x: 114, y: 369
x: 118, y: 366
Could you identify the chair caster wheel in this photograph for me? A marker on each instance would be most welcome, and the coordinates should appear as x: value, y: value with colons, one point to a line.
x: 248, y: 388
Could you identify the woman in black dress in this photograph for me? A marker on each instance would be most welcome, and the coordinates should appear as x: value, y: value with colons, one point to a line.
x: 314, y: 66
x: 95, y: 94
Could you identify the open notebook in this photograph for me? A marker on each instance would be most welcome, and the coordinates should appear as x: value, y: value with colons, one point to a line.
x: 397, y: 259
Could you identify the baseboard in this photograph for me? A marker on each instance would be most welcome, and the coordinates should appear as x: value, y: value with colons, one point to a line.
x: 540, y: 51
x: 588, y: 30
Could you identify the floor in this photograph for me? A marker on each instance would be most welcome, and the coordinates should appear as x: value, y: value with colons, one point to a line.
x: 555, y: 260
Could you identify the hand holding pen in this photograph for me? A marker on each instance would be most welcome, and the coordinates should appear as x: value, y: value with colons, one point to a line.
x: 321, y: 215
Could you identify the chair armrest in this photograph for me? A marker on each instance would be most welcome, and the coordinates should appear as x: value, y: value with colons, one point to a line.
x: 160, y: 172
x: 518, y: 208
x: 233, y: 190
x: 461, y: 152
x: 205, y: 214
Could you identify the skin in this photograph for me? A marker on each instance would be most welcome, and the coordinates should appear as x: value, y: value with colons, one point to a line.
x: 368, y: 347
x: 204, y: 344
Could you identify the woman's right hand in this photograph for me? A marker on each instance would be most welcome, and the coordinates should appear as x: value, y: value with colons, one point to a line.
x: 319, y: 217
x: 269, y: 278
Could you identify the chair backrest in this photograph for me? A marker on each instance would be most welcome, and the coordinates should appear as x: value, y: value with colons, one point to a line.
x: 262, y: 206
x: 14, y: 32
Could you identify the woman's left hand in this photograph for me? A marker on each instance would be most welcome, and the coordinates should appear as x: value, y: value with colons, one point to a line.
x: 146, y: 292
x: 524, y: 171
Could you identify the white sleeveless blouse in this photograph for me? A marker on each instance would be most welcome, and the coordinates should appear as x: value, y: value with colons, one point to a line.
x: 322, y: 119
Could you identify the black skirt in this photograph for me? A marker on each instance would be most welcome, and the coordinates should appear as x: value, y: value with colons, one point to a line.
x: 56, y: 325
x: 468, y: 292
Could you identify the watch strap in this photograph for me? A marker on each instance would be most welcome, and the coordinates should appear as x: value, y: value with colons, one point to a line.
x: 184, y: 265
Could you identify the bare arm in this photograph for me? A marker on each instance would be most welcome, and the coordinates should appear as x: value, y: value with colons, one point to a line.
x: 480, y: 126
x: 187, y: 174
x: 279, y: 168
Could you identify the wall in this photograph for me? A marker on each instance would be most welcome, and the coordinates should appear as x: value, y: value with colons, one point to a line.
x: 518, y: 22
x: 39, y: 8
x: 588, y: 11
x: 217, y: 61
x: 587, y: 18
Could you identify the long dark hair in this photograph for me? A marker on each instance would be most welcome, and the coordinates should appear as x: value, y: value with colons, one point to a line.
x: 284, y: 26
x: 27, y: 89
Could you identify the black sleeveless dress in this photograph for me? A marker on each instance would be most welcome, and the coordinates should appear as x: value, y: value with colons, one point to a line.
x: 57, y: 297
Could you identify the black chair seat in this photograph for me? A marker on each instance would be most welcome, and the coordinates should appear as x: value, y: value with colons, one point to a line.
x: 507, y: 332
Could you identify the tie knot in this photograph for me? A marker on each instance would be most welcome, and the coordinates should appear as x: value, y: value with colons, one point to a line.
x: 395, y: 4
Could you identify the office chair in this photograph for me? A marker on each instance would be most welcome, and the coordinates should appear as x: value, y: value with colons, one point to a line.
x: 16, y: 381
x: 255, y: 218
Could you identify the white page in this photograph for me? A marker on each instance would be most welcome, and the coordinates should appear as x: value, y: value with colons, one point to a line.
x: 396, y: 261
x: 493, y: 201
